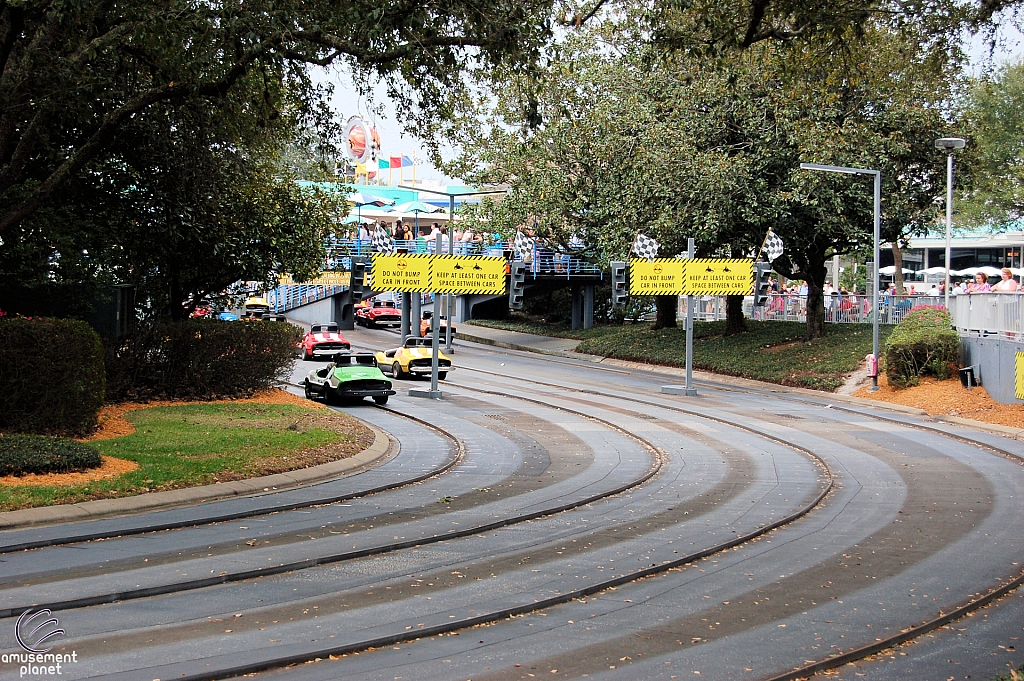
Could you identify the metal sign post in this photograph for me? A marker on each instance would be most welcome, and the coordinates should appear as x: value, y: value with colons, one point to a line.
x: 435, y: 359
x: 451, y: 245
x: 443, y: 274
x: 689, y: 391
x: 435, y: 325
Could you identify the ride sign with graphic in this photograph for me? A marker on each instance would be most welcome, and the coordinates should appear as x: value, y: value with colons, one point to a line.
x: 324, y: 279
x: 659, y: 277
x: 468, y: 274
x: 691, y: 276
x: 719, y: 277
x: 403, y: 273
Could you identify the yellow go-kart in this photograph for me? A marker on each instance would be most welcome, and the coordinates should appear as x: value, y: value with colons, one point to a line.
x: 414, y: 358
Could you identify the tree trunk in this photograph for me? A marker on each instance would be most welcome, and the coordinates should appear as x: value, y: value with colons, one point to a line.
x: 897, y: 260
x: 666, y: 306
x: 815, y: 276
x: 735, y: 322
x: 177, y: 307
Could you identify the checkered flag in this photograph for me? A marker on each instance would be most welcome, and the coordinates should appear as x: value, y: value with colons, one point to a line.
x: 646, y: 247
x: 383, y: 242
x: 772, y: 246
x: 522, y: 246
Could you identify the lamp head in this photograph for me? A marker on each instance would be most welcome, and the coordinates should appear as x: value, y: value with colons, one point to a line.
x: 950, y: 143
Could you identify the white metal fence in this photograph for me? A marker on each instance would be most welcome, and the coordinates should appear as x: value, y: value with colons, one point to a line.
x: 999, y: 315
x: 785, y: 307
x: 976, y: 314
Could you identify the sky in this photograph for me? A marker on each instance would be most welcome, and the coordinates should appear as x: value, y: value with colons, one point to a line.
x: 346, y: 101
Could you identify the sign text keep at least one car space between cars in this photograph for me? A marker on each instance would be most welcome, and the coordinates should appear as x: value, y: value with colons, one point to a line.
x: 697, y: 276
x: 427, y: 273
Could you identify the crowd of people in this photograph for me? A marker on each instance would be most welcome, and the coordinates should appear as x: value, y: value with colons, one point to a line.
x: 427, y: 238
x: 790, y: 299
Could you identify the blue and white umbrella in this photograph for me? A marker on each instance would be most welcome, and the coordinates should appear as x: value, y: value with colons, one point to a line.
x: 359, y: 200
x: 416, y: 207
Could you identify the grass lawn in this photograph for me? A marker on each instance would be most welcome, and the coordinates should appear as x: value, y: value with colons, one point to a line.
x: 202, y: 443
x: 545, y: 329
x: 769, y: 351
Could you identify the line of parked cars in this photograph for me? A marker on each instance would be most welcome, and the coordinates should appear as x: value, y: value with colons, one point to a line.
x: 357, y: 375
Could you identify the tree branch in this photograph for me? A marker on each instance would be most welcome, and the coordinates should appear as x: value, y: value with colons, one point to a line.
x: 102, y: 136
x: 757, y: 12
x: 369, y: 57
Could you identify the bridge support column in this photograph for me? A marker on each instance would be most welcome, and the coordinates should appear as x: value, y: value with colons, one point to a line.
x: 406, y: 313
x: 462, y: 308
x: 588, y: 306
x: 415, y: 313
x: 343, y: 312
x: 577, y: 308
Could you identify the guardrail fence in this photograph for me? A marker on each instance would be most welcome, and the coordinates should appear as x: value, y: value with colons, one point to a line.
x: 997, y: 315
x: 978, y: 314
x: 851, y: 309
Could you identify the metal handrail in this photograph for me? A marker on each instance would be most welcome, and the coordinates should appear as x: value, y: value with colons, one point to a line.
x: 992, y: 314
x: 848, y: 309
x: 541, y: 261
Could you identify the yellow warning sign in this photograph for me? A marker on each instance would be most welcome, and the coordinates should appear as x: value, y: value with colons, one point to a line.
x: 404, y: 273
x: 1020, y: 375
x: 664, y: 276
x: 468, y: 274
x: 325, y: 279
x: 719, y: 277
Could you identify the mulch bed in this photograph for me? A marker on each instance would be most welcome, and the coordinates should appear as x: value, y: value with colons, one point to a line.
x: 949, y: 398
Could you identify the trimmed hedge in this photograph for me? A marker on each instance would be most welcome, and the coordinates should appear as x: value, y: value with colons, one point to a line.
x: 200, y: 359
x: 21, y: 454
x: 924, y: 343
x: 51, y: 376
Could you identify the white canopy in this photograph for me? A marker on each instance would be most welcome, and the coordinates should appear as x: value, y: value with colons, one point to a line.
x: 971, y: 271
x: 891, y: 270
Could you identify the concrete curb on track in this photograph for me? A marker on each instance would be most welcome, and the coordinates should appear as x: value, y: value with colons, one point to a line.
x: 105, y: 508
x: 1006, y: 431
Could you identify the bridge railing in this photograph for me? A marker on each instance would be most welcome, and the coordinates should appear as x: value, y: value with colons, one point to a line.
x: 540, y: 262
x: 290, y: 296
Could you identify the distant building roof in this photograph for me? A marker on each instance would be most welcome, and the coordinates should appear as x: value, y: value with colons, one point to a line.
x: 979, y: 239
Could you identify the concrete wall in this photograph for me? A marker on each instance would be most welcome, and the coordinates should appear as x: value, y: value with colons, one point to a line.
x: 464, y: 305
x: 320, y: 311
x: 994, y: 362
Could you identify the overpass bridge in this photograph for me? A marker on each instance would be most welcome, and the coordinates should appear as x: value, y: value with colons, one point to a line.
x: 329, y: 301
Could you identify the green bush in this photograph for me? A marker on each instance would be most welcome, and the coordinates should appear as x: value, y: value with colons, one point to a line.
x: 200, y: 359
x: 51, y: 376
x: 924, y: 343
x: 21, y: 454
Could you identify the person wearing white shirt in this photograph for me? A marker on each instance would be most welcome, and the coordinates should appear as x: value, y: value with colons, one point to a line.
x: 1008, y: 284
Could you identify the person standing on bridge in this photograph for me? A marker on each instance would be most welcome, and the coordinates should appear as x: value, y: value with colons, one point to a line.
x: 1008, y: 284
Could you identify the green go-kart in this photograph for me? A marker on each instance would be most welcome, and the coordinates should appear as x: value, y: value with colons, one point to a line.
x: 349, y: 377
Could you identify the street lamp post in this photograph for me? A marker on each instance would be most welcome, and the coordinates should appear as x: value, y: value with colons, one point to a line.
x: 877, y: 234
x: 949, y: 144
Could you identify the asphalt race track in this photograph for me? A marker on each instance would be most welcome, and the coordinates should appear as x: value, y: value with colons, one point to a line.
x: 555, y: 518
